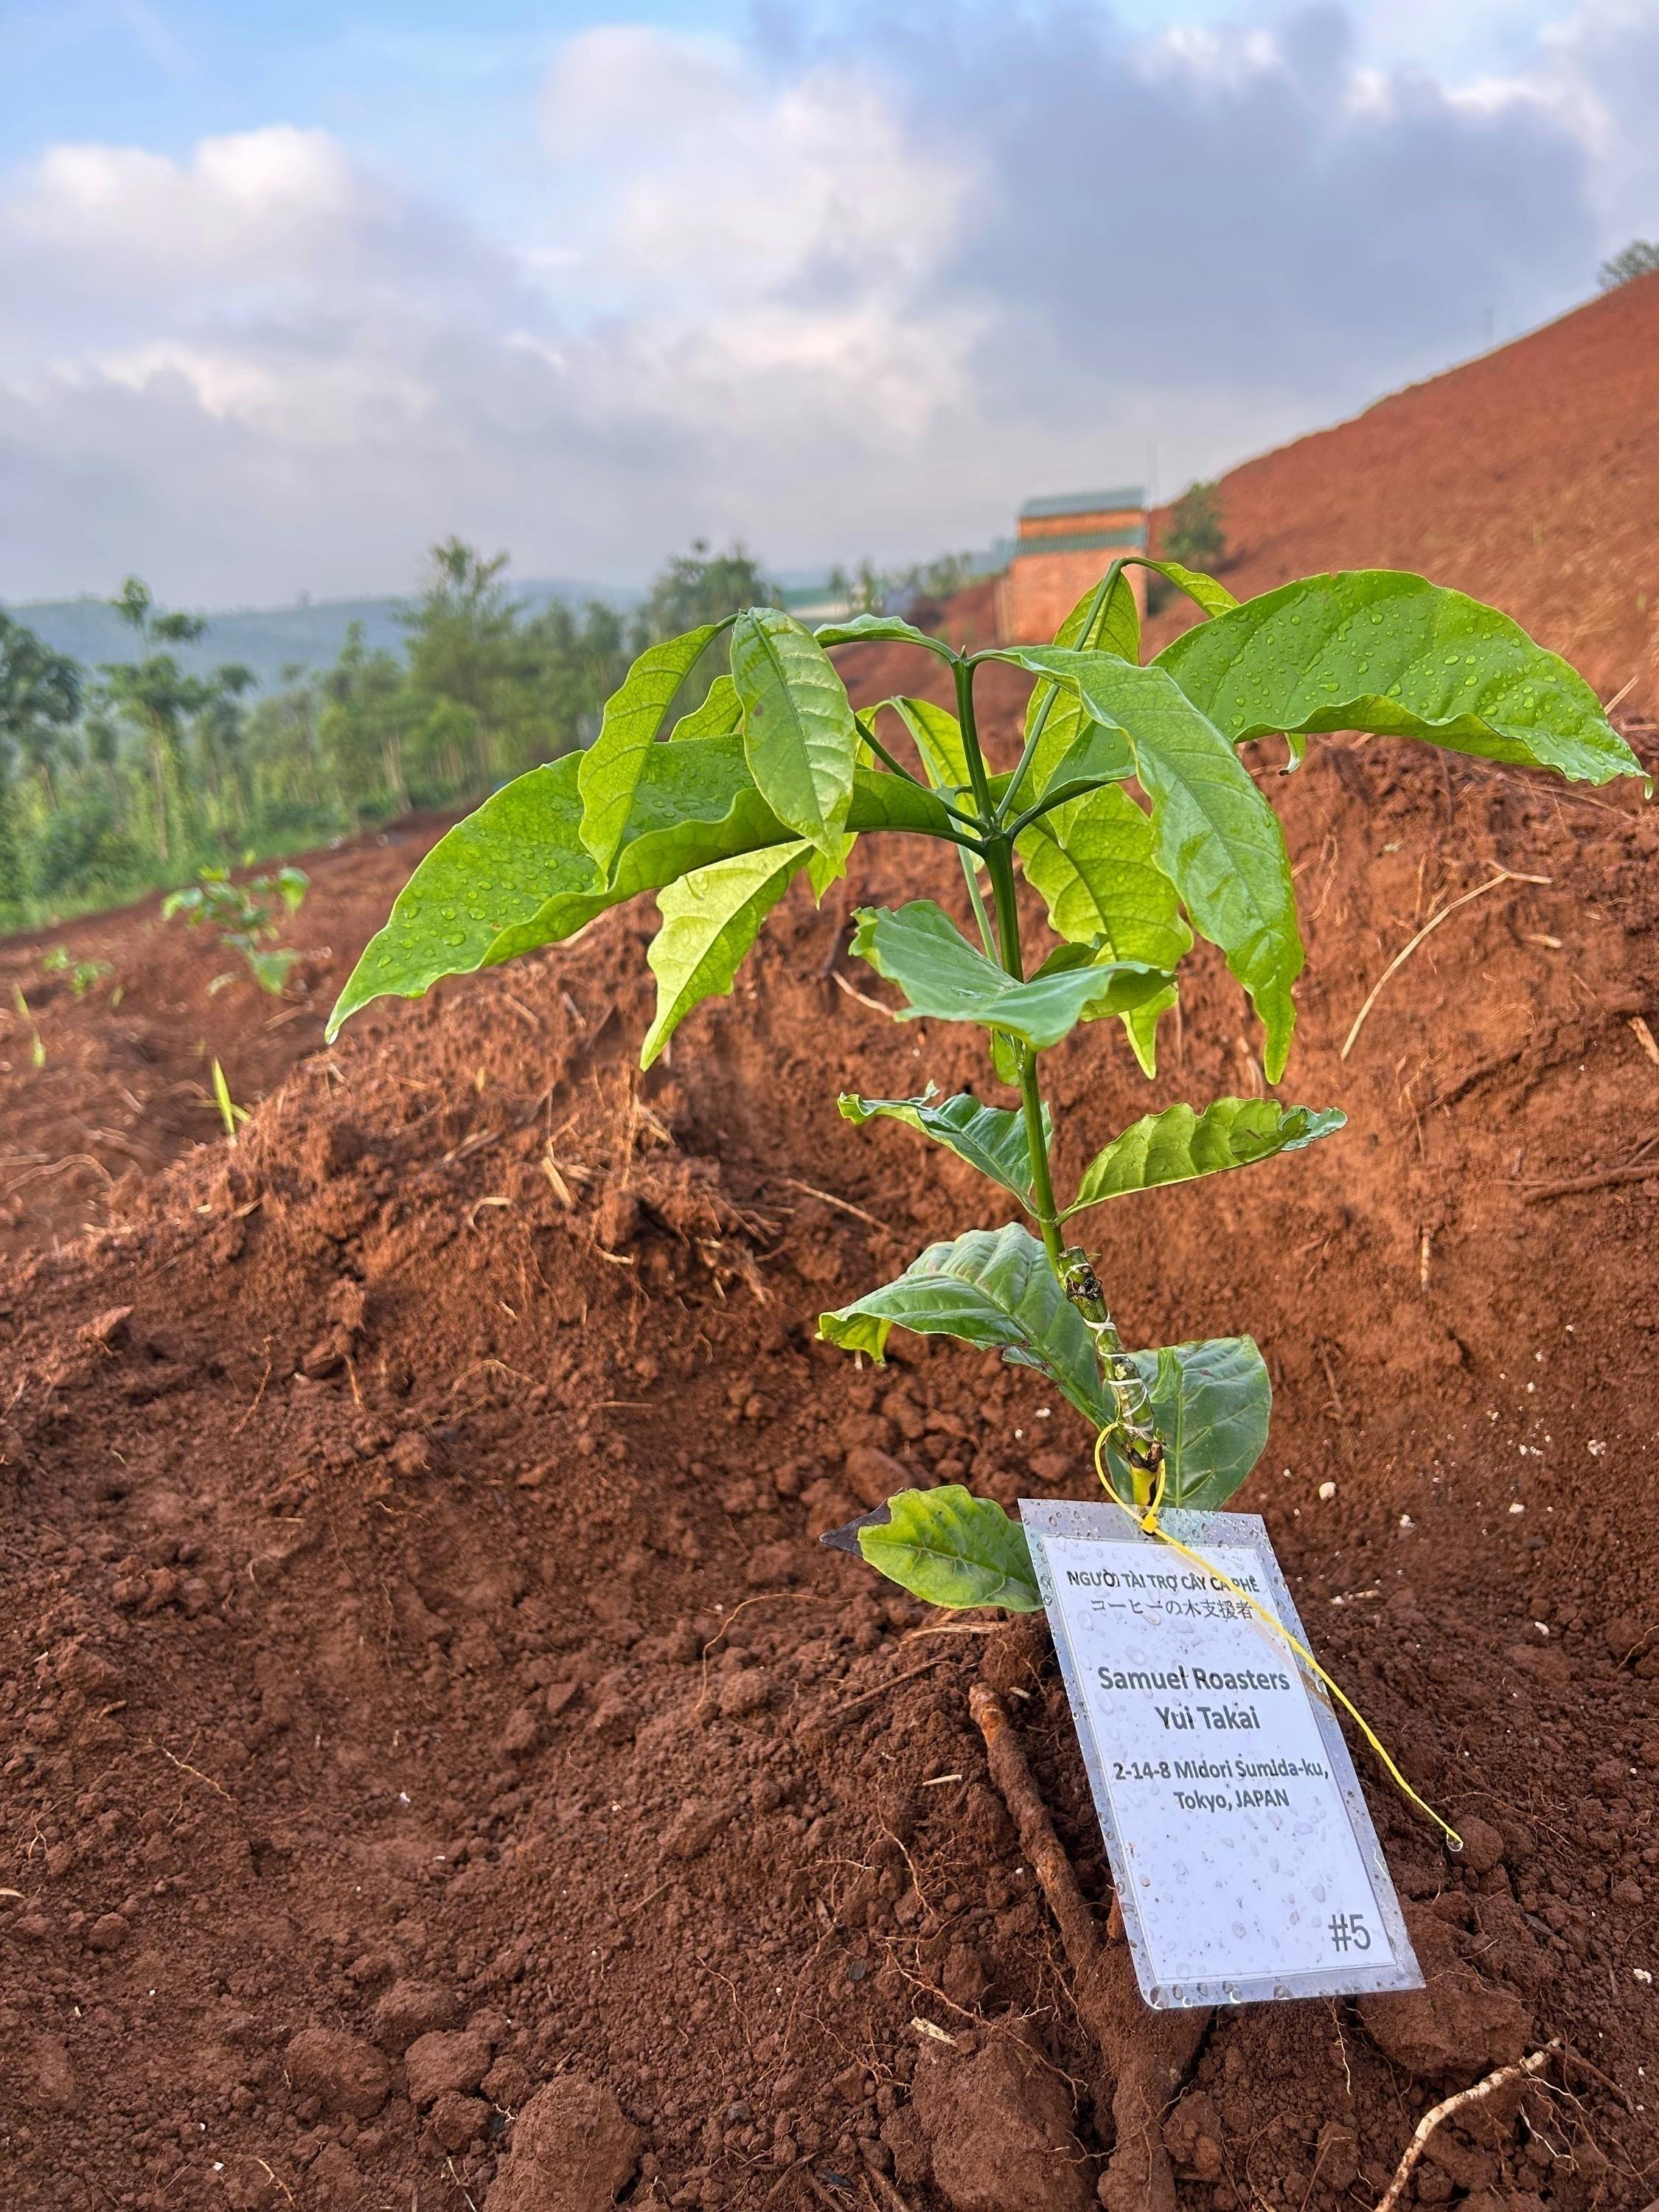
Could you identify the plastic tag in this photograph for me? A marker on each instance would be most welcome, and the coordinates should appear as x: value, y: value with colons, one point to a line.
x: 1246, y: 1864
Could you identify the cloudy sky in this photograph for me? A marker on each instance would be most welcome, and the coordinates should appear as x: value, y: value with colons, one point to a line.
x: 293, y: 288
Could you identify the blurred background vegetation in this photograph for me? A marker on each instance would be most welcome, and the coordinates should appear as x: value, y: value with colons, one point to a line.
x: 135, y: 773
x: 121, y: 778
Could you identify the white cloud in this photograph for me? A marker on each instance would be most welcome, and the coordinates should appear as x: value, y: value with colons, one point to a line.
x: 265, y: 199
x: 867, y: 298
x: 720, y: 180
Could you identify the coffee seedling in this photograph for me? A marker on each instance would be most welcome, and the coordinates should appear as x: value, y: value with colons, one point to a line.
x: 1131, y: 811
x: 245, y: 917
x: 83, y: 975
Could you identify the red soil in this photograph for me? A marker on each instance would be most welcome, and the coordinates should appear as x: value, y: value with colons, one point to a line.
x: 1530, y: 478
x: 127, y: 1082
x: 374, y: 1581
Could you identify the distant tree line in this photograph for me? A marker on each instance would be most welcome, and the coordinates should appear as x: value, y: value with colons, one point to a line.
x: 870, y: 590
x: 117, y: 780
x: 1639, y: 259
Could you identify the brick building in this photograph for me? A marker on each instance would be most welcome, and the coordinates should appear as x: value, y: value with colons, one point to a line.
x: 1065, y: 544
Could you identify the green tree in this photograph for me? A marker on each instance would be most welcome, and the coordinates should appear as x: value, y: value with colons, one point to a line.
x: 40, y: 700
x: 220, y: 730
x: 156, y: 697
x: 574, y: 662
x: 286, y: 752
x: 12, y: 885
x: 1639, y: 259
x: 363, y: 726
x: 1195, y: 536
x: 464, y: 645
x: 699, y: 587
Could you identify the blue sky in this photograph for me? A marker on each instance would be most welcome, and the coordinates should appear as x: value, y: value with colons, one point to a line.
x: 403, y: 79
x: 294, y: 289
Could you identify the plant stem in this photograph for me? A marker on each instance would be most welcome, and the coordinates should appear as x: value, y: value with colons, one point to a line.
x: 1030, y: 1103
x: 1039, y: 720
x: 1136, y: 1428
x: 968, y: 821
x: 1000, y: 863
x: 975, y: 758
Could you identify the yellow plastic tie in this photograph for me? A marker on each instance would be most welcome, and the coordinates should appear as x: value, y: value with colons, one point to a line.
x: 1149, y: 1522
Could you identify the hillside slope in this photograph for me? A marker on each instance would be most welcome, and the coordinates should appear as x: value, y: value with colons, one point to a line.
x: 1530, y: 478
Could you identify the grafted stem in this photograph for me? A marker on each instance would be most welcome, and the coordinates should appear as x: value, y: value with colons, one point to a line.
x: 1136, y: 1425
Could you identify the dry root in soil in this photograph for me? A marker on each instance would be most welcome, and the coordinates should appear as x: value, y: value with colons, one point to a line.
x: 1145, y: 2055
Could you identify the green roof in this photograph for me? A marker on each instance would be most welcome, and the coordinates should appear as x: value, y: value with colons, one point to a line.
x: 1083, y: 502
x: 1081, y: 541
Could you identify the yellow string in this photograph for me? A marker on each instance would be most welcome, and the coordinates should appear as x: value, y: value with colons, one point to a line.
x: 1150, y: 1523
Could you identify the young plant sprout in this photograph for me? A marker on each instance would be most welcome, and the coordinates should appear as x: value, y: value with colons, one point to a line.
x: 1134, y: 815
x: 245, y: 917
x: 84, y: 975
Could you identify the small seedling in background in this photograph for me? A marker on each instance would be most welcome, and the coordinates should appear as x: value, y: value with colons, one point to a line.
x: 1133, y: 816
x: 246, y: 916
x: 84, y: 975
x: 37, y: 1048
x: 230, y: 1113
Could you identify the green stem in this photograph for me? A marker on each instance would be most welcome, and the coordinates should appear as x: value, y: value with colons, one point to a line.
x: 1079, y: 787
x: 976, y: 759
x: 1135, y: 1428
x: 968, y: 821
x: 970, y: 877
x: 1102, y: 591
x: 999, y: 861
x: 999, y: 864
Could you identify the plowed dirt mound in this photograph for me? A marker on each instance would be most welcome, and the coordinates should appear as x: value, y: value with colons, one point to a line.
x: 1530, y: 478
x: 124, y: 1080
x: 423, y: 1693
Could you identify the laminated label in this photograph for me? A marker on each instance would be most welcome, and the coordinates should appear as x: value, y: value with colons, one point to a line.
x: 1246, y: 1863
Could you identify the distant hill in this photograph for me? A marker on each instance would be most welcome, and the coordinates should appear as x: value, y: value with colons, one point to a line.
x: 1529, y: 477
x: 267, y: 640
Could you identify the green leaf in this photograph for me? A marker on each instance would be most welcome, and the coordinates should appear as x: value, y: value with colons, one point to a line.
x: 709, y: 920
x: 936, y: 736
x: 824, y: 869
x: 270, y: 969
x: 1216, y: 838
x: 1374, y: 649
x: 874, y: 629
x: 1104, y: 620
x: 1097, y: 754
x: 1203, y: 591
x: 882, y: 801
x: 993, y: 1288
x: 1211, y: 1403
x: 1215, y: 835
x: 945, y: 978
x: 720, y: 714
x: 613, y: 764
x: 1093, y: 862
x: 948, y: 1548
x: 989, y: 1138
x: 516, y: 874
x: 1179, y: 1145
x: 799, y: 736
x: 521, y: 854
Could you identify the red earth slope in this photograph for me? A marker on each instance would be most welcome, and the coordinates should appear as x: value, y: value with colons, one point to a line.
x: 1530, y: 478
